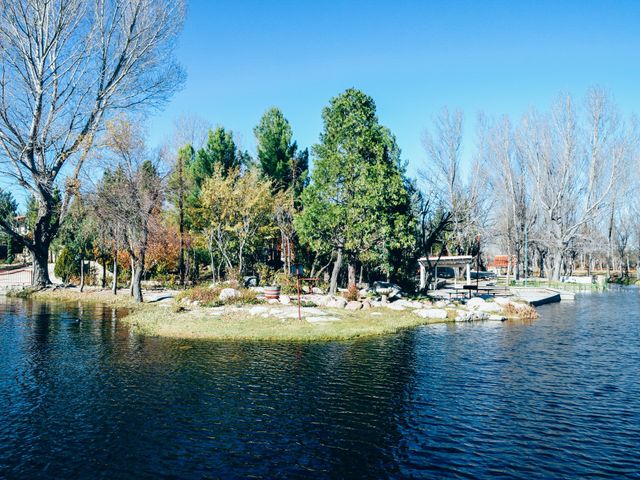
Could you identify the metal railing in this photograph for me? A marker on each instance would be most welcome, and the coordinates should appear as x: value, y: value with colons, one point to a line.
x: 15, y: 278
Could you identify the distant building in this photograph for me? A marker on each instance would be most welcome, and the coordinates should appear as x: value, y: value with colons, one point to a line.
x: 13, y: 249
x: 500, y: 264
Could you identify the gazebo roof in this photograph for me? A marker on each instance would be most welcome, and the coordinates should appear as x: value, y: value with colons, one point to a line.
x: 452, y: 261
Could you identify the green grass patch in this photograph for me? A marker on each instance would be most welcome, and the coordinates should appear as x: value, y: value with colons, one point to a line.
x: 200, y: 323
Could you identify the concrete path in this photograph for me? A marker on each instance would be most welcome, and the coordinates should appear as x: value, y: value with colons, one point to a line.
x: 536, y: 296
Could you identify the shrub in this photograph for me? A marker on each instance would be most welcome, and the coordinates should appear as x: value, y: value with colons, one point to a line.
x: 288, y: 283
x: 521, y: 311
x: 66, y: 266
x: 246, y: 297
x: 205, y: 295
x: 265, y: 273
x: 210, y: 297
x: 352, y: 293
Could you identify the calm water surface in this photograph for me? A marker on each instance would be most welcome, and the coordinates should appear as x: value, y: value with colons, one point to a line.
x: 81, y: 397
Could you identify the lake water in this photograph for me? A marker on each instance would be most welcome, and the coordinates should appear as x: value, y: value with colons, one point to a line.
x: 559, y: 397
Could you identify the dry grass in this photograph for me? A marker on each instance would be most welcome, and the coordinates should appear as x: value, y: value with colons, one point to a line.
x: 210, y: 296
x: 239, y: 325
x: 90, y: 295
x: 205, y: 295
x: 522, y: 311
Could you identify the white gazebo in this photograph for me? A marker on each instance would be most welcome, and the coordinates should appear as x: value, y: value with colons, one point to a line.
x: 456, y: 262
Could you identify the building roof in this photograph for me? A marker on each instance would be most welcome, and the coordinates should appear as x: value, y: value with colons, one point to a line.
x: 448, y: 261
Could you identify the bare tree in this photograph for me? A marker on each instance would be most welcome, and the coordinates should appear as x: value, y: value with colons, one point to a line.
x: 623, y: 235
x: 443, y: 174
x: 190, y: 129
x: 507, y: 171
x: 574, y: 167
x: 190, y: 134
x: 133, y: 195
x: 66, y: 66
x: 284, y: 212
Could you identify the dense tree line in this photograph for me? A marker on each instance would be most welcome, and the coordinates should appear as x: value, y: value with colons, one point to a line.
x: 554, y: 191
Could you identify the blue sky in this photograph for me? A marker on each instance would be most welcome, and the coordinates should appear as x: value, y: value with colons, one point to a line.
x: 412, y: 57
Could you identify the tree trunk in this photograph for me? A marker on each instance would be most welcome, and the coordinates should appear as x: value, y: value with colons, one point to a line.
x: 104, y: 271
x: 39, y: 258
x: 351, y: 270
x: 81, y: 274
x: 333, y: 286
x: 138, y: 272
x: 508, y: 264
x: 181, y: 254
x: 557, y: 266
x: 114, y: 284
x: 133, y: 271
x: 313, y: 266
x: 542, y: 266
x: 213, y: 264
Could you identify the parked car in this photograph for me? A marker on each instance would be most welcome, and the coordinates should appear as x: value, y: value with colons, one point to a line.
x: 483, y: 275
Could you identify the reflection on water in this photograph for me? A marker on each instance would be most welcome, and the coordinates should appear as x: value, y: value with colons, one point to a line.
x: 81, y: 397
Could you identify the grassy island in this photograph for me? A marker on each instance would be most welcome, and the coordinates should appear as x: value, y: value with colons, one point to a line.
x: 166, y: 316
x: 238, y: 324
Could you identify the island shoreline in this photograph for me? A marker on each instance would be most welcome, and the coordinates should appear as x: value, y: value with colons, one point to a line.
x: 170, y: 319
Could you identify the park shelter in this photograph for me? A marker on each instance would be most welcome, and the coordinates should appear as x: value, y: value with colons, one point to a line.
x: 457, y: 262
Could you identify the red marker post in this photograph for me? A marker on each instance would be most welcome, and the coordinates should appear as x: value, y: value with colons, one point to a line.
x: 297, y: 270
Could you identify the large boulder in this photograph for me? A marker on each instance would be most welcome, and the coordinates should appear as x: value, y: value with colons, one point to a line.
x: 431, y: 313
x: 322, y: 300
x: 285, y: 299
x: 353, y: 305
x: 463, y: 316
x: 228, y: 294
x: 408, y: 303
x: 490, y: 307
x: 475, y: 302
x: 337, y: 303
x: 502, y: 301
x: 470, y: 316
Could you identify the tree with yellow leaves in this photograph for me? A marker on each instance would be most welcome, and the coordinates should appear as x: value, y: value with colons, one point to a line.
x: 237, y: 208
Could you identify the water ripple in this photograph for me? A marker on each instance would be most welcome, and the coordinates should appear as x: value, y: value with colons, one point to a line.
x: 556, y: 398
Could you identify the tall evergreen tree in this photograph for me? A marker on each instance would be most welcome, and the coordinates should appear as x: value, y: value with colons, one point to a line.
x: 180, y: 183
x: 220, y: 149
x: 278, y: 156
x: 357, y: 203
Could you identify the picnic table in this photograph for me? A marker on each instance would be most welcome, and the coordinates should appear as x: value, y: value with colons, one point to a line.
x: 486, y: 289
